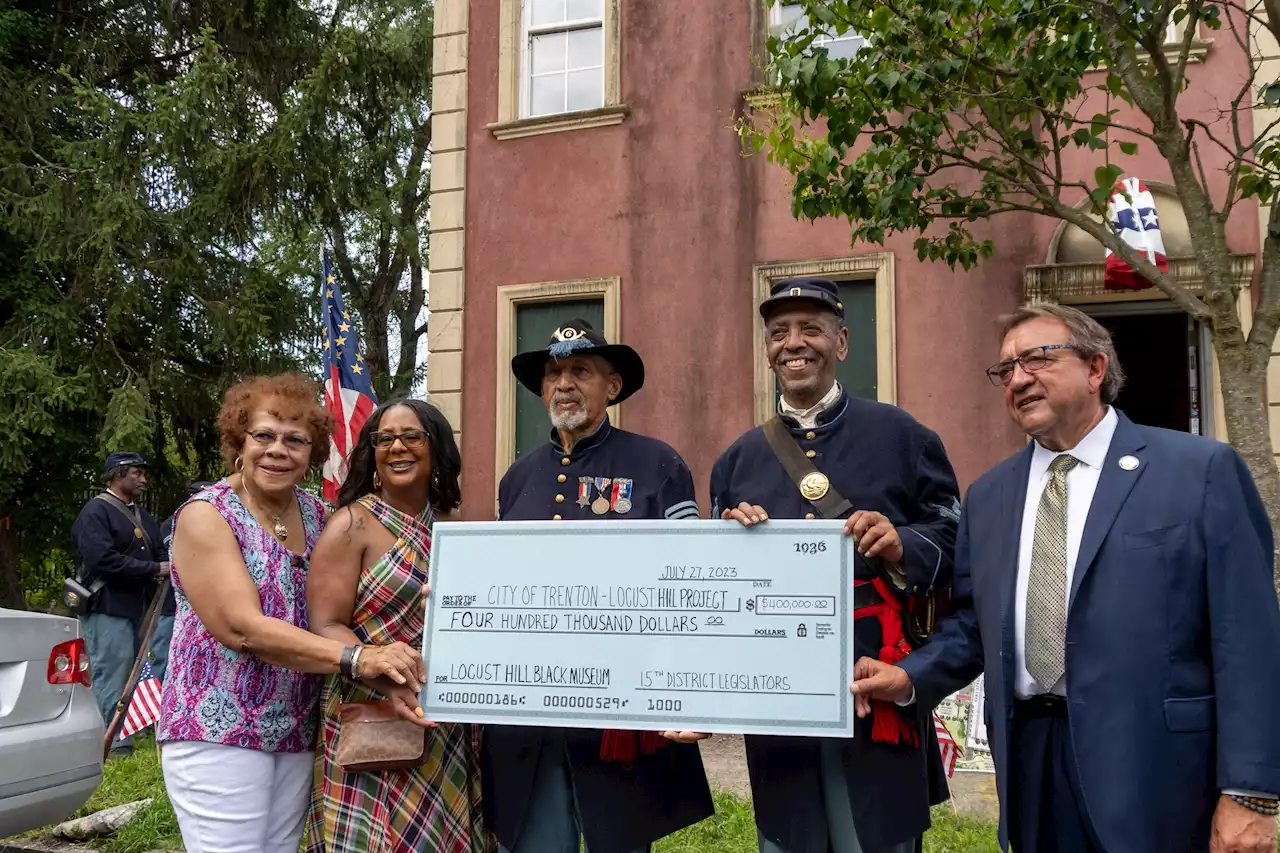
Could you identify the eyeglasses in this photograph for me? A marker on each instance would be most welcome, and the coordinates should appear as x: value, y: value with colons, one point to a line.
x: 1032, y: 360
x: 410, y: 438
x: 292, y: 441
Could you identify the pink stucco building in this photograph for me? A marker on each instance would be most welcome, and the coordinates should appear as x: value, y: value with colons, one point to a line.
x: 586, y: 164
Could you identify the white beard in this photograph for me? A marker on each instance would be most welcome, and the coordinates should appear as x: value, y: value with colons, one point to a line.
x: 571, y: 420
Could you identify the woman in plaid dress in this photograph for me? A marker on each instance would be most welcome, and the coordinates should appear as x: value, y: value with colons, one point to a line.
x: 368, y: 580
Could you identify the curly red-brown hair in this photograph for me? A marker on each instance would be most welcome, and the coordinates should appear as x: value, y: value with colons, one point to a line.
x: 287, y: 396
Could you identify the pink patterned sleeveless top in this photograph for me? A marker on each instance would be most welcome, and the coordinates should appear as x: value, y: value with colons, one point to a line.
x: 217, y: 695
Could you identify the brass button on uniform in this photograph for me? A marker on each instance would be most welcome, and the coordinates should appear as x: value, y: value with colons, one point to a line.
x: 811, y: 453
x: 559, y: 499
x: 564, y: 461
x: 809, y: 516
x: 556, y: 517
x: 811, y: 435
x: 561, y: 478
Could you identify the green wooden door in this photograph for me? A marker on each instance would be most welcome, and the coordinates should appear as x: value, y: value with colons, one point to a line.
x: 535, y: 321
x: 857, y: 373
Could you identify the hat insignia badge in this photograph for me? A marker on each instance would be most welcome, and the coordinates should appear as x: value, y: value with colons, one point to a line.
x: 814, y: 486
x: 567, y: 333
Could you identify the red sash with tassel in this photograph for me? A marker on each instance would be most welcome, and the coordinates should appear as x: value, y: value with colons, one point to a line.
x: 888, y: 725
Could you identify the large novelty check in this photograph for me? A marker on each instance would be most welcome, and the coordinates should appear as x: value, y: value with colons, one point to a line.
x: 650, y: 625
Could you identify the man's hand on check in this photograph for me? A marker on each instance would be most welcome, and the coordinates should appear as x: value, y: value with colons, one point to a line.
x: 746, y: 514
x: 875, y: 534
x: 686, y: 737
x: 875, y: 679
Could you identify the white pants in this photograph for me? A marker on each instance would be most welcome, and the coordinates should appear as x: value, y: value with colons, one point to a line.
x: 232, y: 800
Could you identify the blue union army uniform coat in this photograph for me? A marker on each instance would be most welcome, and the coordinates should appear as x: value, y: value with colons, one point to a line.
x: 109, y: 550
x: 611, y: 474
x: 879, y: 458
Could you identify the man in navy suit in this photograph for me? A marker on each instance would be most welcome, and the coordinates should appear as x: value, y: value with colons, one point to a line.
x: 1115, y: 583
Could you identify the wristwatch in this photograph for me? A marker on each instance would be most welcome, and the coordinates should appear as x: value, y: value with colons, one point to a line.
x: 1268, y: 806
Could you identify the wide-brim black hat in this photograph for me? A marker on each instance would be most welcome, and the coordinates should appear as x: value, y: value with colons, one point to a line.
x: 577, y: 337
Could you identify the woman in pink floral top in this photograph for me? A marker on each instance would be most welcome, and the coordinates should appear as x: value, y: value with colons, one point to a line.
x: 239, y: 709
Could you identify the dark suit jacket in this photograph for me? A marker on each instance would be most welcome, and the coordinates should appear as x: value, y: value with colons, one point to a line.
x: 1173, y: 636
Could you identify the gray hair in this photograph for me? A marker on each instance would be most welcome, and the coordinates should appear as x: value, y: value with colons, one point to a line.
x: 1087, y: 335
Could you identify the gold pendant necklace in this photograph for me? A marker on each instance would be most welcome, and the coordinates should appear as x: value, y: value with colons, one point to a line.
x: 282, y: 532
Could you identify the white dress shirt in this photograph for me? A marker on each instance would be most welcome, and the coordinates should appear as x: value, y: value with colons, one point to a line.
x: 1082, y: 482
x: 808, y: 418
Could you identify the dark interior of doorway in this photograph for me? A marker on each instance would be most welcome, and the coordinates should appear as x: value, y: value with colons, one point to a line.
x: 1153, y: 348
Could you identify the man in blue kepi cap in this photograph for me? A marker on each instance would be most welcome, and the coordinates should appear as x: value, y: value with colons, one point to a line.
x: 828, y: 455
x: 548, y: 789
x: 119, y: 557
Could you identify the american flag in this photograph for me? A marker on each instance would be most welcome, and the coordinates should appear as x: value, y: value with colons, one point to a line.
x: 348, y: 395
x: 144, y: 710
x: 946, y: 745
x: 1135, y: 221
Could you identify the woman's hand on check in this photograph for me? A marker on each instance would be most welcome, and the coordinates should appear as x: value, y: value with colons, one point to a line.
x: 746, y: 514
x: 686, y: 737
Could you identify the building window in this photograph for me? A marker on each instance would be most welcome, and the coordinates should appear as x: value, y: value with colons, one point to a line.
x: 564, y: 46
x: 787, y: 17
x: 867, y: 293
x: 527, y: 315
x: 559, y: 66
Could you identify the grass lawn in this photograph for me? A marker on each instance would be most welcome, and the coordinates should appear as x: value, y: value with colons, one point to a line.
x: 730, y: 830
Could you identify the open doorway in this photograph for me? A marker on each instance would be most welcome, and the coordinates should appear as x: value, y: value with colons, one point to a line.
x: 1165, y: 359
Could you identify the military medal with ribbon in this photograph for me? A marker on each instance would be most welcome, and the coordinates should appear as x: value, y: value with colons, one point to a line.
x: 601, y: 504
x: 621, y: 502
x: 584, y: 491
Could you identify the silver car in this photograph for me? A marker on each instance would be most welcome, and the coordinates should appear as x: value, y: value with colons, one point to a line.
x: 50, y: 729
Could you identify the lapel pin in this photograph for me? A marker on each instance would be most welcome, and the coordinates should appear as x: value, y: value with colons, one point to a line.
x: 1128, y: 463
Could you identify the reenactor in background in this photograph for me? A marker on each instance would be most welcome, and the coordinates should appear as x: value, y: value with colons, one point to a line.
x: 120, y: 556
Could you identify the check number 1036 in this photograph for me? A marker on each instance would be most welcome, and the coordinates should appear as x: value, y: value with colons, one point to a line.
x: 810, y: 547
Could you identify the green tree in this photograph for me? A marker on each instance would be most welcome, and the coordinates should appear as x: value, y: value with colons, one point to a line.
x: 962, y: 110
x: 358, y: 140
x: 166, y: 172
x: 131, y: 289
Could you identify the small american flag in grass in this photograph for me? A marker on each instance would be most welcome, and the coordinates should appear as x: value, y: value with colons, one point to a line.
x: 144, y: 710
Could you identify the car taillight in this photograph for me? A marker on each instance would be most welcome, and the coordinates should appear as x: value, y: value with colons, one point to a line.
x: 69, y: 664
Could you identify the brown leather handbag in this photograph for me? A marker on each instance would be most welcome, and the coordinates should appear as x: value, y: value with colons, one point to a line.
x: 374, y: 738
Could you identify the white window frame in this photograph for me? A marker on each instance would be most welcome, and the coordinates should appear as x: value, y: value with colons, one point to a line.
x: 528, y: 32
x: 776, y: 24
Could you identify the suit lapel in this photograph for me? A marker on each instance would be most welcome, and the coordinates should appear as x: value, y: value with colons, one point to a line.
x: 1114, y: 485
x: 1014, y: 499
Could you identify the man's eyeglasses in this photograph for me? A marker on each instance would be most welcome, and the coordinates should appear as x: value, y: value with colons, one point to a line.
x: 410, y: 438
x: 292, y: 441
x: 1032, y: 360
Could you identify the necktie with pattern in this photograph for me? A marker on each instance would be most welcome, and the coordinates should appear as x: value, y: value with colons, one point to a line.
x: 1046, y: 629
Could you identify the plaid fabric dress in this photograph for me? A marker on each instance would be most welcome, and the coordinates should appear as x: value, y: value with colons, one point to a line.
x: 435, y: 807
